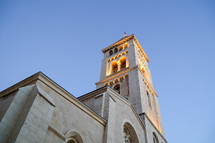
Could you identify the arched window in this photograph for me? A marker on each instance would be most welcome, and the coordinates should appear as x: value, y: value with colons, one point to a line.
x: 110, y: 53
x: 115, y: 50
x: 73, y: 137
x: 125, y: 45
x: 155, y: 138
x: 116, y: 80
x: 123, y: 62
x: 111, y: 83
x: 73, y: 141
x: 120, y: 48
x: 149, y: 101
x: 129, y: 133
x: 121, y: 79
x: 106, y: 84
x: 114, y: 67
x: 127, y: 136
x: 117, y: 88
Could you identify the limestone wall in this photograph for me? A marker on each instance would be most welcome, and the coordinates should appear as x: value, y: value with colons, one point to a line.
x: 14, y: 117
x: 120, y: 112
x: 68, y: 117
x: 5, y: 103
x: 150, y: 130
x: 44, y: 112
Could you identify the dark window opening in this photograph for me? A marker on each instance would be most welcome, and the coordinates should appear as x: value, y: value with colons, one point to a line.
x: 114, y: 68
x: 149, y: 101
x: 110, y: 53
x: 115, y: 50
x: 117, y: 88
x: 123, y: 65
x: 120, y: 48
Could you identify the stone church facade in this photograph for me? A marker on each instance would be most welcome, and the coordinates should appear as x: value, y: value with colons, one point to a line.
x: 123, y: 109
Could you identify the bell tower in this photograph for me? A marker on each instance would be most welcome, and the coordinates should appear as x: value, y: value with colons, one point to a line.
x: 125, y: 69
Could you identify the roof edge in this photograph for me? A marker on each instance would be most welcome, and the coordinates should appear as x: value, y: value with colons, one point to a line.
x: 39, y: 76
x: 125, y: 39
x: 119, y: 42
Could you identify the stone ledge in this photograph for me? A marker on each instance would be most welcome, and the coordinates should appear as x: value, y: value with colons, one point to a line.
x: 54, y: 130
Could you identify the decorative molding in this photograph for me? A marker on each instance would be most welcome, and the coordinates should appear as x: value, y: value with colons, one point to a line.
x: 54, y: 130
x: 116, y: 74
x: 40, y: 77
x: 119, y: 42
x: 123, y: 40
x: 45, y: 96
x: 92, y: 93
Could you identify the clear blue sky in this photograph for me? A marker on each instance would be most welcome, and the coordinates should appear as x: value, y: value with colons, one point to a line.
x: 64, y: 39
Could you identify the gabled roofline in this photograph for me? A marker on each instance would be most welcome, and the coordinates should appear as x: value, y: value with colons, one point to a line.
x: 39, y: 76
x: 92, y: 93
x: 115, y: 94
x: 123, y: 40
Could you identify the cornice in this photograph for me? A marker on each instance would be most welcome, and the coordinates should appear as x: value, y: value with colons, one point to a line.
x: 30, y: 80
x: 57, y: 88
x: 123, y: 40
x: 125, y: 71
x: 119, y: 42
x: 116, y: 75
x: 92, y: 93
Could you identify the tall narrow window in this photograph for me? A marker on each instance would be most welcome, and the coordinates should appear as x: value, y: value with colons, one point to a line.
x: 123, y: 63
x: 114, y: 67
x: 115, y: 50
x: 117, y: 88
x: 149, y: 101
x: 110, y: 53
x: 120, y: 48
x: 125, y: 45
